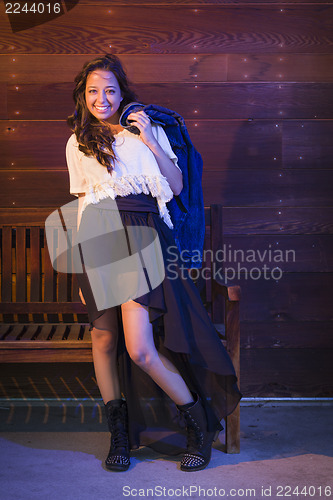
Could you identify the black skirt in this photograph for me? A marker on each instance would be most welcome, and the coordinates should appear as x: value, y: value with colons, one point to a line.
x: 182, y: 331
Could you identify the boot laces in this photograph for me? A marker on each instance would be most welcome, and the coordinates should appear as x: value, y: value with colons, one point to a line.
x: 194, y: 433
x: 119, y: 432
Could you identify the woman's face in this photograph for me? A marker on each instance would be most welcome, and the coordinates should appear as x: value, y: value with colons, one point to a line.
x: 103, y: 95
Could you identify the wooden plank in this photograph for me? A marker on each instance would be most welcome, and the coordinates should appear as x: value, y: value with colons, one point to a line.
x: 25, y: 216
x: 267, y: 144
x: 44, y: 332
x: 49, y: 273
x: 13, y: 335
x: 305, y: 220
x: 29, y: 333
x: 294, y: 297
x: 140, y: 68
x: 195, y: 3
x: 86, y: 334
x: 201, y: 101
x: 307, y: 144
x: 4, y: 330
x: 296, y: 253
x: 21, y: 265
x: 6, y: 264
x: 287, y: 372
x: 59, y: 332
x: 35, y: 263
x: 20, y: 150
x: 74, y: 333
x: 286, y: 335
x: 42, y: 307
x: 280, y: 67
x: 45, y: 355
x: 237, y: 220
x: 258, y: 188
x: 144, y: 28
x: 3, y: 101
x: 216, y: 242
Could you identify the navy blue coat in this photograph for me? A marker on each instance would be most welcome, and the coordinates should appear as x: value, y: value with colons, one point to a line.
x: 187, y: 208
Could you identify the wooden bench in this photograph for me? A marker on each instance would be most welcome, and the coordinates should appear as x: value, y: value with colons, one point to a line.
x: 43, y: 319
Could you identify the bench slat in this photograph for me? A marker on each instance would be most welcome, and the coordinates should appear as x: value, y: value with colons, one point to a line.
x: 35, y: 264
x: 49, y: 274
x: 74, y: 332
x: 29, y: 333
x: 44, y: 332
x: 86, y: 334
x: 21, y: 265
x: 6, y: 264
x: 42, y: 307
x: 14, y: 333
x: 58, y: 333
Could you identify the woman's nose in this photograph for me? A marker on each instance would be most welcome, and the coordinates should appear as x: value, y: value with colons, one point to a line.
x: 101, y: 98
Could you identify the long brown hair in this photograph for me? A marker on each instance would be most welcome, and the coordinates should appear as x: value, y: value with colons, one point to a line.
x: 94, y: 136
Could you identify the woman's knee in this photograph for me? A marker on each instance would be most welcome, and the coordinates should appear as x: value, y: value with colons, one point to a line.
x: 144, y: 358
x: 104, y: 340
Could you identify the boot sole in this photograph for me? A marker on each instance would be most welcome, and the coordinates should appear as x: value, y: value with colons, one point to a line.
x: 193, y: 469
x: 116, y: 468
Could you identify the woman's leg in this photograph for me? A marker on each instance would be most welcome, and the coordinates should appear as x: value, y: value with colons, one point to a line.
x: 141, y: 348
x: 104, y: 351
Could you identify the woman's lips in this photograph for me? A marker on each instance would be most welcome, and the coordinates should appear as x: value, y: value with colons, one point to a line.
x: 102, y: 109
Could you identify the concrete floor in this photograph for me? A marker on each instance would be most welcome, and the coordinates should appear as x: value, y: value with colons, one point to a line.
x: 56, y: 452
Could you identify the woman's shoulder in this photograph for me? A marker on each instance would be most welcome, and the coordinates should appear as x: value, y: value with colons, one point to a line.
x: 72, y: 141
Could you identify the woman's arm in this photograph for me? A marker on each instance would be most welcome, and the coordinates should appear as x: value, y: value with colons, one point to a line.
x: 166, y: 166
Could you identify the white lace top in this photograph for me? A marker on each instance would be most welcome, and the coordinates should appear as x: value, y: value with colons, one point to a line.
x: 135, y: 171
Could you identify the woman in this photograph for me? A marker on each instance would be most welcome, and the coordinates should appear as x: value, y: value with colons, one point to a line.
x: 158, y: 352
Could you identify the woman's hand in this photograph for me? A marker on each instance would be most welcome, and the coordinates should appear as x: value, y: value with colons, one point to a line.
x: 81, y: 297
x: 143, y: 123
x: 166, y: 166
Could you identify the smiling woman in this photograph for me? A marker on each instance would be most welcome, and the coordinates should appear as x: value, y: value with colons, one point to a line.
x: 103, y: 96
x: 154, y: 343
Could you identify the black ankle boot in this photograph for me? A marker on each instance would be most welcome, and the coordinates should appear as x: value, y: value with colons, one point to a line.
x: 199, y: 440
x: 116, y: 415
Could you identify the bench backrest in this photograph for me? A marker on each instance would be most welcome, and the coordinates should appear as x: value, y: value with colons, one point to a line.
x: 32, y: 291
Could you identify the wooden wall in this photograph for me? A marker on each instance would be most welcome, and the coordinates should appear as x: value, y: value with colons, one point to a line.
x: 254, y: 81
